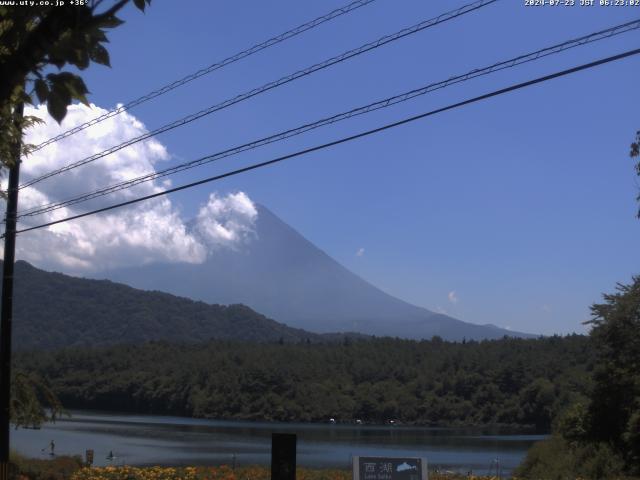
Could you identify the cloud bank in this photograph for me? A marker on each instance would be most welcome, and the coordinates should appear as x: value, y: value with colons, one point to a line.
x: 151, y: 231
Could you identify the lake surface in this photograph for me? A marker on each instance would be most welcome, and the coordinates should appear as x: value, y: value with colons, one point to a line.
x: 159, y: 440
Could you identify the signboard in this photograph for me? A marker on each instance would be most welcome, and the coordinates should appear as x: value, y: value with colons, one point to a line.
x: 389, y: 468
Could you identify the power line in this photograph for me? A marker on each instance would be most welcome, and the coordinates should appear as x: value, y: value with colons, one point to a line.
x: 301, y: 73
x: 387, y: 102
x: 345, y: 139
x: 271, y: 85
x: 211, y: 68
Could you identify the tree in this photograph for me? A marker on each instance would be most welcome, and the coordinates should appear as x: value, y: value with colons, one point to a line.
x: 602, y: 438
x: 614, y: 411
x: 32, y: 400
x: 35, y: 39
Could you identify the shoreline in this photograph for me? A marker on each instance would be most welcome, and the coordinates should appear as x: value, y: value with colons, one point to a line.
x: 485, y: 429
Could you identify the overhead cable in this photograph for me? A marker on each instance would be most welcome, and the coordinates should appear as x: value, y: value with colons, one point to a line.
x: 342, y: 140
x: 211, y: 68
x: 380, y: 104
x: 271, y: 85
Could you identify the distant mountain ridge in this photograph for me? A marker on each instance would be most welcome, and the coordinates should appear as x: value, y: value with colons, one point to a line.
x: 52, y: 310
x: 284, y: 276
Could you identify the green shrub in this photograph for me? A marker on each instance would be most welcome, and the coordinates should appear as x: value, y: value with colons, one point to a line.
x: 58, y: 468
x: 557, y: 459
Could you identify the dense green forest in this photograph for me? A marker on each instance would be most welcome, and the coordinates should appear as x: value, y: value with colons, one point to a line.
x: 70, y: 311
x: 509, y: 381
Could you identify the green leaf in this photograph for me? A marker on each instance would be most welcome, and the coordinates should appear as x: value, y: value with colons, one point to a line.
x: 58, y: 62
x: 111, y: 22
x: 76, y: 84
x: 68, y: 86
x: 81, y: 58
x: 78, y: 89
x: 30, y: 120
x: 56, y: 107
x: 100, y: 55
x: 98, y: 35
x: 42, y: 90
x: 60, y: 95
x: 140, y: 4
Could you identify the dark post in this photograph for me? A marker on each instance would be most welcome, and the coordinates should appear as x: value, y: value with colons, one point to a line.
x: 7, y: 303
x: 283, y: 456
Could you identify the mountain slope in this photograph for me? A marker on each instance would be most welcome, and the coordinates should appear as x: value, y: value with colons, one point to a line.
x: 53, y: 310
x: 286, y: 277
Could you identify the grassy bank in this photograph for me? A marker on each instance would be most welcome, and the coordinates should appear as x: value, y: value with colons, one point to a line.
x: 224, y: 473
x: 71, y: 468
x: 58, y: 468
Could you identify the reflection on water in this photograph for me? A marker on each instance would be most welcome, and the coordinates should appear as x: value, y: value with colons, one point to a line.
x: 156, y: 440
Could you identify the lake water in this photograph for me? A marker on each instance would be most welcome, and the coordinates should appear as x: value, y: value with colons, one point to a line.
x: 159, y: 440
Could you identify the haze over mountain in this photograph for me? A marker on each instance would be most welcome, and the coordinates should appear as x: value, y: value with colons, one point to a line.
x: 281, y: 274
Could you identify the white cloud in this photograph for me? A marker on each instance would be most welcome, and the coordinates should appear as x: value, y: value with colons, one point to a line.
x: 360, y: 252
x: 226, y: 221
x: 439, y: 309
x: 143, y: 233
x: 452, y: 297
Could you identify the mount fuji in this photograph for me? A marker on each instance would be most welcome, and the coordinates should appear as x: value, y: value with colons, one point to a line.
x: 282, y: 275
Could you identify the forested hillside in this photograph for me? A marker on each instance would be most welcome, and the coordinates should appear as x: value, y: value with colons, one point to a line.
x: 509, y: 381
x: 52, y: 310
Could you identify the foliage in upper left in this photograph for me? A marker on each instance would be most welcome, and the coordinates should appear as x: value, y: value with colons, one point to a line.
x: 35, y: 41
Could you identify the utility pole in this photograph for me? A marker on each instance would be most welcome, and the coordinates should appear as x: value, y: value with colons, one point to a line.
x: 7, y: 297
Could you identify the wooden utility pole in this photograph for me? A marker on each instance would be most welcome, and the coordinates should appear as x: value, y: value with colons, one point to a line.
x: 7, y: 298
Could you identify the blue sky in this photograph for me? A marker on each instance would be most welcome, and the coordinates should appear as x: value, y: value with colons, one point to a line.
x: 522, y: 205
